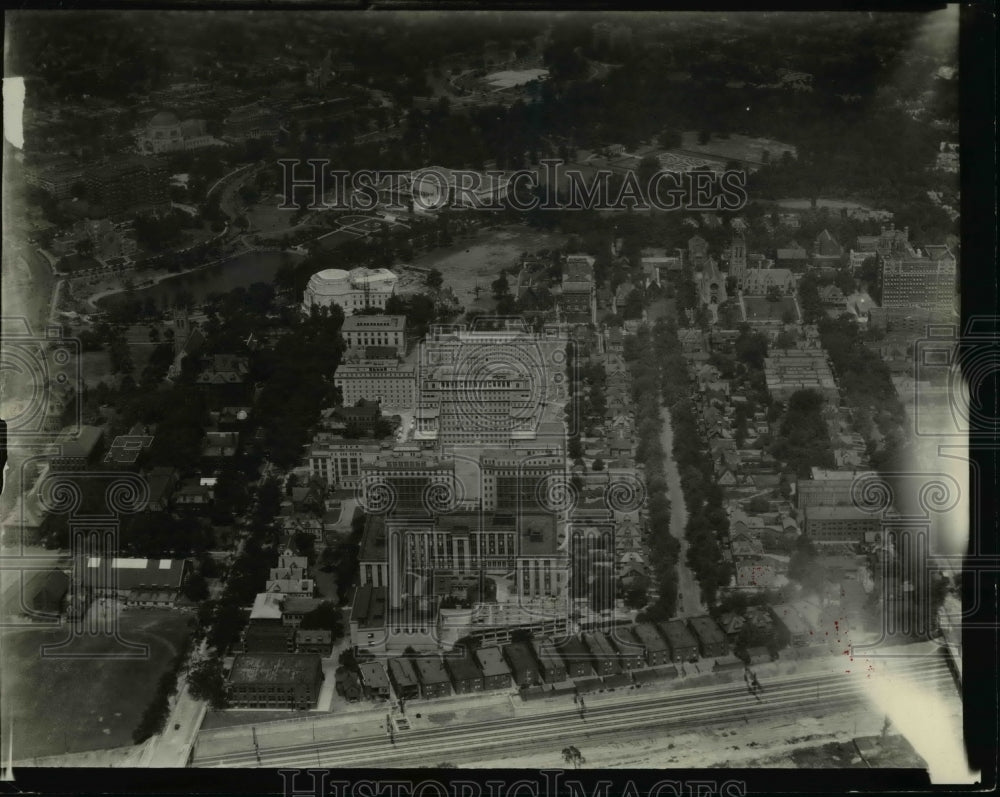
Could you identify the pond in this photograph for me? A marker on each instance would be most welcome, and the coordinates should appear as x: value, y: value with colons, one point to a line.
x: 240, y: 271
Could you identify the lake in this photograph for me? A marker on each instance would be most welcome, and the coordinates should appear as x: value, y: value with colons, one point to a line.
x: 240, y: 271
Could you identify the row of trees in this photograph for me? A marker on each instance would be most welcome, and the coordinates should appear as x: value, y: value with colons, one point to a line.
x: 155, y: 716
x: 644, y: 353
x: 707, y: 520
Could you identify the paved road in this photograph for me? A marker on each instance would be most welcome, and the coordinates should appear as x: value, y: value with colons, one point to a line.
x: 790, y: 695
x: 689, y: 603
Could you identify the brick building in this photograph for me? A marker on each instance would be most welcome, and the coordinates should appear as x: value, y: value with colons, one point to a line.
x: 275, y: 680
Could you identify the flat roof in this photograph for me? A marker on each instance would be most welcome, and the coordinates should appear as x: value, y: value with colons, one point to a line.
x: 274, y: 667
x: 368, y: 609
x: 373, y: 540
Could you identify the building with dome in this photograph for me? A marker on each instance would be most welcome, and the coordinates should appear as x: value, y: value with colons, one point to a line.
x: 166, y: 133
x: 357, y: 289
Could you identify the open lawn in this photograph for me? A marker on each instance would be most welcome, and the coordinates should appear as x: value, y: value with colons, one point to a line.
x: 762, y: 309
x: 478, y: 260
x: 60, y: 705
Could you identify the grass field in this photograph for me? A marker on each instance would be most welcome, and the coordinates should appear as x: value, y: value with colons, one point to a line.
x: 761, y: 309
x: 73, y: 705
x: 478, y: 260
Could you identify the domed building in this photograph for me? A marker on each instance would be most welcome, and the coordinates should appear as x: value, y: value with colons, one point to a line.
x: 357, y: 289
x: 166, y: 133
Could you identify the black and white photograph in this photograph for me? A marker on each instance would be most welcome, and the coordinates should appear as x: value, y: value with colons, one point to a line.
x: 597, y: 401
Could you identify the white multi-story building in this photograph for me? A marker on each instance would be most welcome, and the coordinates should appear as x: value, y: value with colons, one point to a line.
x: 384, y: 331
x: 357, y: 289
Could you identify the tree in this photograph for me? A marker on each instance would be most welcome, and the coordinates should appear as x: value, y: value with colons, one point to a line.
x: 348, y: 660
x: 704, y: 136
x: 196, y: 587
x: 325, y: 617
x: 571, y: 755
x: 598, y: 464
x: 434, y: 279
x: 327, y: 559
x: 636, y: 598
x: 207, y: 682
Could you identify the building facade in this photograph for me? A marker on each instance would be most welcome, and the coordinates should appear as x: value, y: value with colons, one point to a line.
x: 361, y: 331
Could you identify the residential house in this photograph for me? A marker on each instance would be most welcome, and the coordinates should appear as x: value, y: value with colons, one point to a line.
x: 404, y: 678
x: 602, y: 653
x: 683, y: 645
x: 522, y: 664
x: 631, y: 649
x: 656, y: 651
x: 496, y: 672
x: 295, y: 607
x: 711, y: 639
x: 374, y: 681
x: 731, y: 624
x: 576, y: 657
x: 552, y: 667
x: 466, y: 677
x: 433, y: 677
x: 348, y: 685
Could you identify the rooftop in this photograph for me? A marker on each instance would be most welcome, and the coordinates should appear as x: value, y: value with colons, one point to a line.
x: 373, y: 675
x: 275, y: 668
x: 491, y: 661
x: 403, y: 672
x: 431, y: 670
x: 462, y: 668
x: 707, y: 629
x: 368, y: 609
x: 650, y: 637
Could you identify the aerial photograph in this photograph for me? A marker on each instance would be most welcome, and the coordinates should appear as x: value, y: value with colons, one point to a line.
x: 476, y: 390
